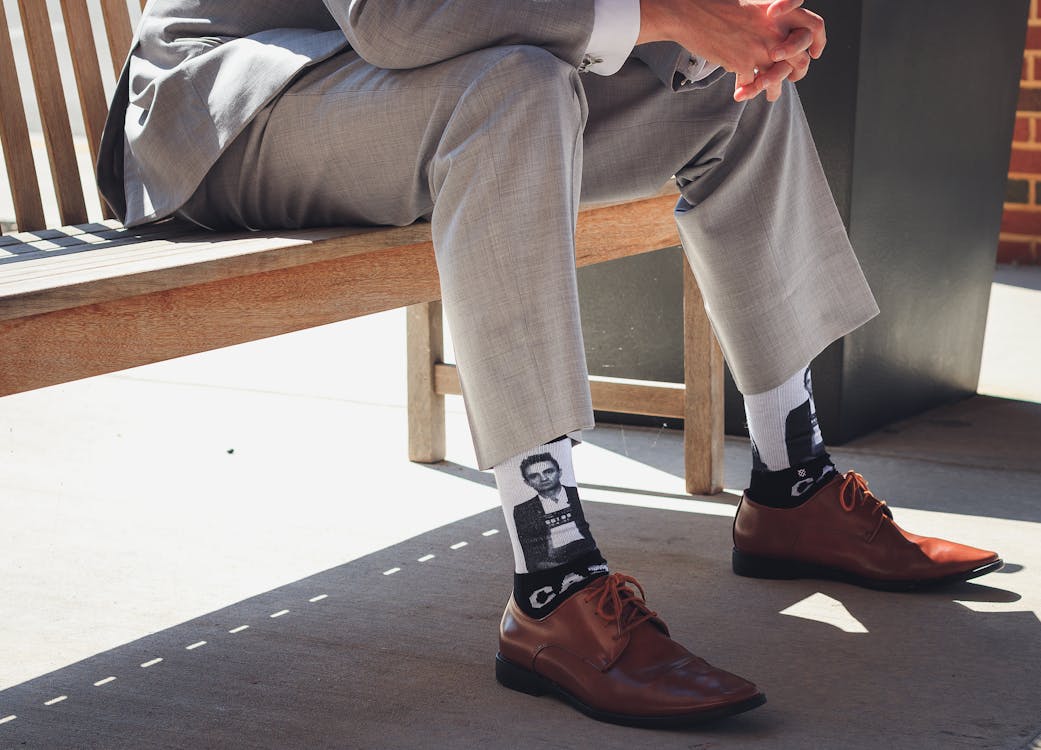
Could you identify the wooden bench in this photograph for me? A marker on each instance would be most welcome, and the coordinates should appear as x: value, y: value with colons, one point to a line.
x: 88, y: 298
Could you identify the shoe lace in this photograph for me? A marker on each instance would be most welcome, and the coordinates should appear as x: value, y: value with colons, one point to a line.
x: 617, y: 603
x: 854, y: 492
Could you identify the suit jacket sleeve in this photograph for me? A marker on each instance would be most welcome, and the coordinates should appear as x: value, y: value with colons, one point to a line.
x: 667, y: 59
x: 409, y: 34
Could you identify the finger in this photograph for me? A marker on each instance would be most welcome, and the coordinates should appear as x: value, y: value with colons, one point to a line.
x: 745, y: 93
x: 815, y: 24
x: 775, y: 83
x: 742, y: 93
x: 767, y: 79
x: 800, y: 66
x: 772, y: 78
x: 746, y: 78
x: 817, y: 48
x: 779, y: 8
x: 749, y: 90
x: 797, y: 41
x: 775, y: 79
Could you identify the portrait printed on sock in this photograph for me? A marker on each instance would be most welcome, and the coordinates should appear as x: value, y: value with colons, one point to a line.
x: 802, y: 433
x: 551, y: 526
x: 785, y: 431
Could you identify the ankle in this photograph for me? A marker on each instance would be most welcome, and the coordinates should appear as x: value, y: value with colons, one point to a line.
x: 791, y: 487
x: 541, y: 592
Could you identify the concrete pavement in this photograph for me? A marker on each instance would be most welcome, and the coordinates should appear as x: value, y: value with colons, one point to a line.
x: 148, y: 510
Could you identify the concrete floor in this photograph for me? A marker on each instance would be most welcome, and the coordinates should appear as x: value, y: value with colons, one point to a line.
x: 134, y: 504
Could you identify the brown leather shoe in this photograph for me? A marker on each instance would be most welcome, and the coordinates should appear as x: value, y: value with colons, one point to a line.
x: 844, y: 532
x: 608, y: 655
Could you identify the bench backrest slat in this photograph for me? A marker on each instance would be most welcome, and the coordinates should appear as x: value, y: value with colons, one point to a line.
x: 87, y: 69
x: 119, y: 31
x: 54, y: 115
x: 14, y: 133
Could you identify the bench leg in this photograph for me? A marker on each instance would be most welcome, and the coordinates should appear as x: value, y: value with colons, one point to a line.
x: 426, y: 407
x: 703, y: 398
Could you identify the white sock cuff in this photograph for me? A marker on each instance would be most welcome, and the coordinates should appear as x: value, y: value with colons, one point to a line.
x: 767, y: 414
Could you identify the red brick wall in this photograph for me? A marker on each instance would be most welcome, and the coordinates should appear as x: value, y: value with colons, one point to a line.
x: 1020, y: 240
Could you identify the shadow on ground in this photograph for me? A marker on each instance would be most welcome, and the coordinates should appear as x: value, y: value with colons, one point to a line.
x: 405, y: 660
x: 980, y: 456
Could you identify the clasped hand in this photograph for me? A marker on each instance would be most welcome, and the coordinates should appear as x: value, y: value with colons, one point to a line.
x: 764, y: 42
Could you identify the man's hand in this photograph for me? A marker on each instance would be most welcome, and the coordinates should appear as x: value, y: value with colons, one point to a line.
x: 763, y: 41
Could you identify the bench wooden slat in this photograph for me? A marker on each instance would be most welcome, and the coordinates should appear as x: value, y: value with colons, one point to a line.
x: 132, y: 269
x: 53, y: 113
x: 86, y: 68
x: 14, y: 134
x: 609, y: 394
x: 25, y: 242
x: 118, y: 31
x: 124, y: 270
x: 82, y: 341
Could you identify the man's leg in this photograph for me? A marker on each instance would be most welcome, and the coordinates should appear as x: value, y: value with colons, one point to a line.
x: 488, y: 146
x: 756, y: 218
x: 780, y: 283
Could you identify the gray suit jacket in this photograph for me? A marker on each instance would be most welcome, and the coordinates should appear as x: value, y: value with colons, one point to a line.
x: 200, y: 70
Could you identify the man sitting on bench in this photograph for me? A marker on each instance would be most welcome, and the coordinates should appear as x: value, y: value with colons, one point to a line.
x: 492, y: 120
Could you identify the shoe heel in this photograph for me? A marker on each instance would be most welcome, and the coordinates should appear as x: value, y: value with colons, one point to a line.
x: 515, y: 678
x: 754, y: 566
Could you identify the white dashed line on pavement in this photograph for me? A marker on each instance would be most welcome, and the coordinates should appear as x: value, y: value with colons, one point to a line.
x: 240, y: 628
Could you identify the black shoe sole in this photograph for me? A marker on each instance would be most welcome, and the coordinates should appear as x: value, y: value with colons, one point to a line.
x: 755, y: 566
x: 525, y: 681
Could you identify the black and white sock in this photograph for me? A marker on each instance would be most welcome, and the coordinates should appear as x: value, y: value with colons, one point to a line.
x: 789, y: 462
x: 554, y: 554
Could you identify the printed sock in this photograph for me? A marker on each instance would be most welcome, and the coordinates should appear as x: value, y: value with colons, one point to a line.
x: 788, y: 488
x: 789, y: 461
x: 553, y: 552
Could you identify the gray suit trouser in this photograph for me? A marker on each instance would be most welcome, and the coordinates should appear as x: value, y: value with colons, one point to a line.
x: 496, y: 148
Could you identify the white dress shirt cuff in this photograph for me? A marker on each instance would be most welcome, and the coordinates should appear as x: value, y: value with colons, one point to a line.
x: 616, y: 25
